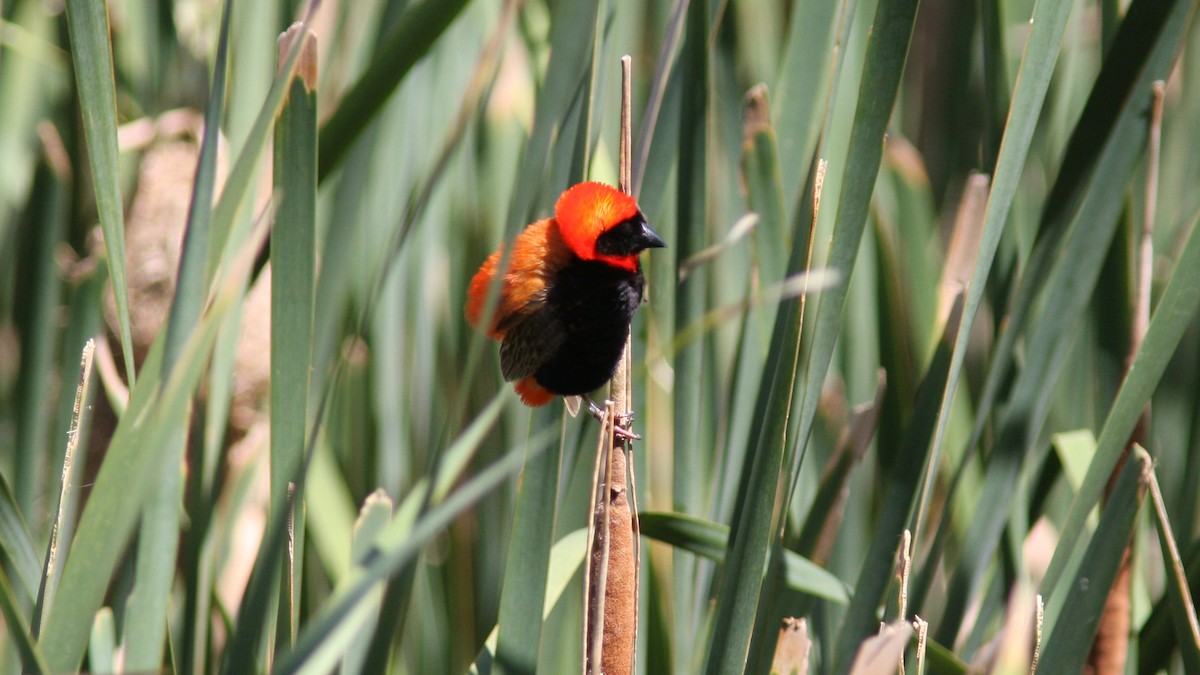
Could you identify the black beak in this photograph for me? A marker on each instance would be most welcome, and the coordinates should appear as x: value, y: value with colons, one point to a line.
x: 648, y: 238
x: 629, y: 237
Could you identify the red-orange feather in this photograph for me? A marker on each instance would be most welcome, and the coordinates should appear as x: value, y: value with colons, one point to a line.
x: 538, y: 253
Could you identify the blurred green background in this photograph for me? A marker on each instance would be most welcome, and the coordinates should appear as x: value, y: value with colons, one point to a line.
x: 273, y: 269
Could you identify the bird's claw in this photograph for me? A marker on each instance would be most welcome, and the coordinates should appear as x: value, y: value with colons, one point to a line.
x: 623, y: 432
x: 621, y: 424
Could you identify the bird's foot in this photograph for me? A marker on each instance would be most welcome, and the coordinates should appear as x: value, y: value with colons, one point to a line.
x: 622, y: 422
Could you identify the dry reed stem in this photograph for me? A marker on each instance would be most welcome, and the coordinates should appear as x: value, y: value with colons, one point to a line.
x: 610, y: 627
x: 51, y: 568
x: 1175, y: 562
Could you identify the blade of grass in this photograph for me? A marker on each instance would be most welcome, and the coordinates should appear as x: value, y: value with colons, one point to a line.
x: 566, y: 558
x: 776, y: 388
x: 418, y: 29
x: 155, y: 412
x: 709, y: 540
x: 371, y: 522
x: 900, y: 493
x: 19, y: 630
x: 102, y: 642
x: 805, y: 69
x: 688, y: 239
x: 1104, y: 148
x: 663, y: 71
x: 737, y: 604
x: 1033, y: 79
x: 886, y: 52
x: 1178, y: 593
x: 224, y: 241
x: 16, y: 546
x: 330, y: 514
x: 59, y: 534
x: 329, y: 630
x: 191, y: 281
x: 1175, y: 310
x: 293, y: 271
x: 37, y: 298
x: 1069, y: 641
x: 523, y: 592
x: 91, y: 52
x: 145, y: 628
x: 254, y: 609
x: 751, y: 554
x: 1158, y: 635
x: 773, y: 246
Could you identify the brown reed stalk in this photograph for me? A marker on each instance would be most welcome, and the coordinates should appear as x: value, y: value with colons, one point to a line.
x: 610, y: 625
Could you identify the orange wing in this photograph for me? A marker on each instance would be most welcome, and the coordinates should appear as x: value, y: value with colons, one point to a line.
x: 538, y: 254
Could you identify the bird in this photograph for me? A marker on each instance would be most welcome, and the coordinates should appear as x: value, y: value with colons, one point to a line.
x: 568, y: 294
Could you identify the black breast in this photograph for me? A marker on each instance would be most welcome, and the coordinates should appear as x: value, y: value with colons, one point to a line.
x: 594, y: 303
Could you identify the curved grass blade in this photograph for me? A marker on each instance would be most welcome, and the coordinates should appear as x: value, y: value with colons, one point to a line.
x: 16, y: 546
x: 256, y: 602
x: 36, y: 299
x: 1037, y: 66
x: 418, y: 29
x: 1069, y: 641
x: 330, y: 629
x: 1175, y: 310
x: 1084, y: 207
x: 566, y: 558
x: 19, y: 630
x: 523, y: 592
x: 709, y: 540
x: 886, y: 52
x: 156, y: 411
x: 145, y: 629
x: 91, y: 53
x: 900, y: 493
